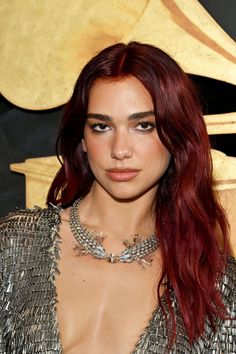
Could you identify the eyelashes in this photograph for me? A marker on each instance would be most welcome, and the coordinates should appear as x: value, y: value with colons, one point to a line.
x: 145, y: 126
x: 142, y: 127
x: 99, y: 127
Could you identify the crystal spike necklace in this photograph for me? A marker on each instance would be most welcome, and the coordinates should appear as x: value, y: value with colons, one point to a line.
x: 90, y: 242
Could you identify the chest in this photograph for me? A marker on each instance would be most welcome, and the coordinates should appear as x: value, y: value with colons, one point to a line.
x: 102, y: 307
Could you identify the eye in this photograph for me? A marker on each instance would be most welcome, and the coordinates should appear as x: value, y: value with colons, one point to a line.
x: 99, y: 127
x: 145, y: 126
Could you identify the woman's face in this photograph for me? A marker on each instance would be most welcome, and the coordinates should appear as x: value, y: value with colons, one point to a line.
x: 124, y: 151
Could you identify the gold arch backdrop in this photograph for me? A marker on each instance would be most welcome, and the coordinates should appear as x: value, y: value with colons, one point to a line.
x: 44, y: 45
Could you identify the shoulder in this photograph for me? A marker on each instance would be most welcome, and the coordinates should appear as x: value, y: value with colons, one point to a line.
x: 228, y: 283
x: 224, y: 336
x: 28, y: 224
x: 31, y: 217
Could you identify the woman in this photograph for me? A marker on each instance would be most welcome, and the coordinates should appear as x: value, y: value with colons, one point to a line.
x: 135, y: 258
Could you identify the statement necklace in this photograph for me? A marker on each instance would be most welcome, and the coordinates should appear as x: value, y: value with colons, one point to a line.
x: 89, y: 242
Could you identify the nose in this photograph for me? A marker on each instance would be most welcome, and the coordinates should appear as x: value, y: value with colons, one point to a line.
x: 121, y: 146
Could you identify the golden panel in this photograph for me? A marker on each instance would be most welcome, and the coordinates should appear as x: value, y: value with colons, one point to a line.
x: 50, y: 42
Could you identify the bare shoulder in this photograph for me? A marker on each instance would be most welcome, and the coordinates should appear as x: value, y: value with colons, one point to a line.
x: 65, y: 214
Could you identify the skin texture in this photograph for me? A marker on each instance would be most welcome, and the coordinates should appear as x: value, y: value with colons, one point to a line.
x: 125, y: 141
x: 103, y: 308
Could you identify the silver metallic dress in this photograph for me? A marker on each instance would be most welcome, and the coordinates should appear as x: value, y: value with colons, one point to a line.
x: 29, y: 249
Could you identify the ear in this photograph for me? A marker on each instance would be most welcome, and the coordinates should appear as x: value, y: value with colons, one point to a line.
x: 83, y: 146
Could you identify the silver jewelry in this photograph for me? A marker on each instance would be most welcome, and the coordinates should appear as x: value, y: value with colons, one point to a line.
x: 92, y: 243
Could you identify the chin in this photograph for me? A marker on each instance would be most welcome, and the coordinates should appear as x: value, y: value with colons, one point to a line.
x: 127, y: 191
x: 126, y: 195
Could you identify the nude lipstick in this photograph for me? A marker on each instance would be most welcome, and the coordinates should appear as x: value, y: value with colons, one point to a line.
x: 122, y: 175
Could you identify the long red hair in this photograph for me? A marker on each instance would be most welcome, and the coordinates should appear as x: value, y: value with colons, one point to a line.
x: 189, y: 219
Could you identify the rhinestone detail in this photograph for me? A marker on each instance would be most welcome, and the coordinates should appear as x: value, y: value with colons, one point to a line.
x: 91, y: 243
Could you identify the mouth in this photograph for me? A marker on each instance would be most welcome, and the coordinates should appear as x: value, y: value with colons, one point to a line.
x: 122, y: 174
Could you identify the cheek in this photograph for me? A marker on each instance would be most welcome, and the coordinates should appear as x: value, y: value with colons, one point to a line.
x: 157, y: 156
x: 95, y: 149
x: 90, y: 143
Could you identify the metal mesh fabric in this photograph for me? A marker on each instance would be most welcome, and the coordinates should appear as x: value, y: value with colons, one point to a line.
x: 29, y: 249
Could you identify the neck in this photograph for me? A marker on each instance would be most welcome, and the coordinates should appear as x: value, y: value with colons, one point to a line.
x: 101, y: 212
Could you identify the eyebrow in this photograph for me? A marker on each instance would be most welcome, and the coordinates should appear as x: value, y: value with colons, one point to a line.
x: 133, y: 116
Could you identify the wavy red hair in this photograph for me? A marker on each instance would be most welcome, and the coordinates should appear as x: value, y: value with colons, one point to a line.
x: 189, y: 219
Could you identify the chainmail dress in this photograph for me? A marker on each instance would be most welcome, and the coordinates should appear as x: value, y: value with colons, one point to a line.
x: 29, y: 249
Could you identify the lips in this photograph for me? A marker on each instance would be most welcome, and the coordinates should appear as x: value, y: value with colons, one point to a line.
x: 122, y: 175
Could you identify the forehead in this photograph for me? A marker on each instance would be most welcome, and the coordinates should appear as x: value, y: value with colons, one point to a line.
x: 116, y: 95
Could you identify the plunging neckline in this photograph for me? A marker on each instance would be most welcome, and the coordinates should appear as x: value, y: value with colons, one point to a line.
x: 57, y: 250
